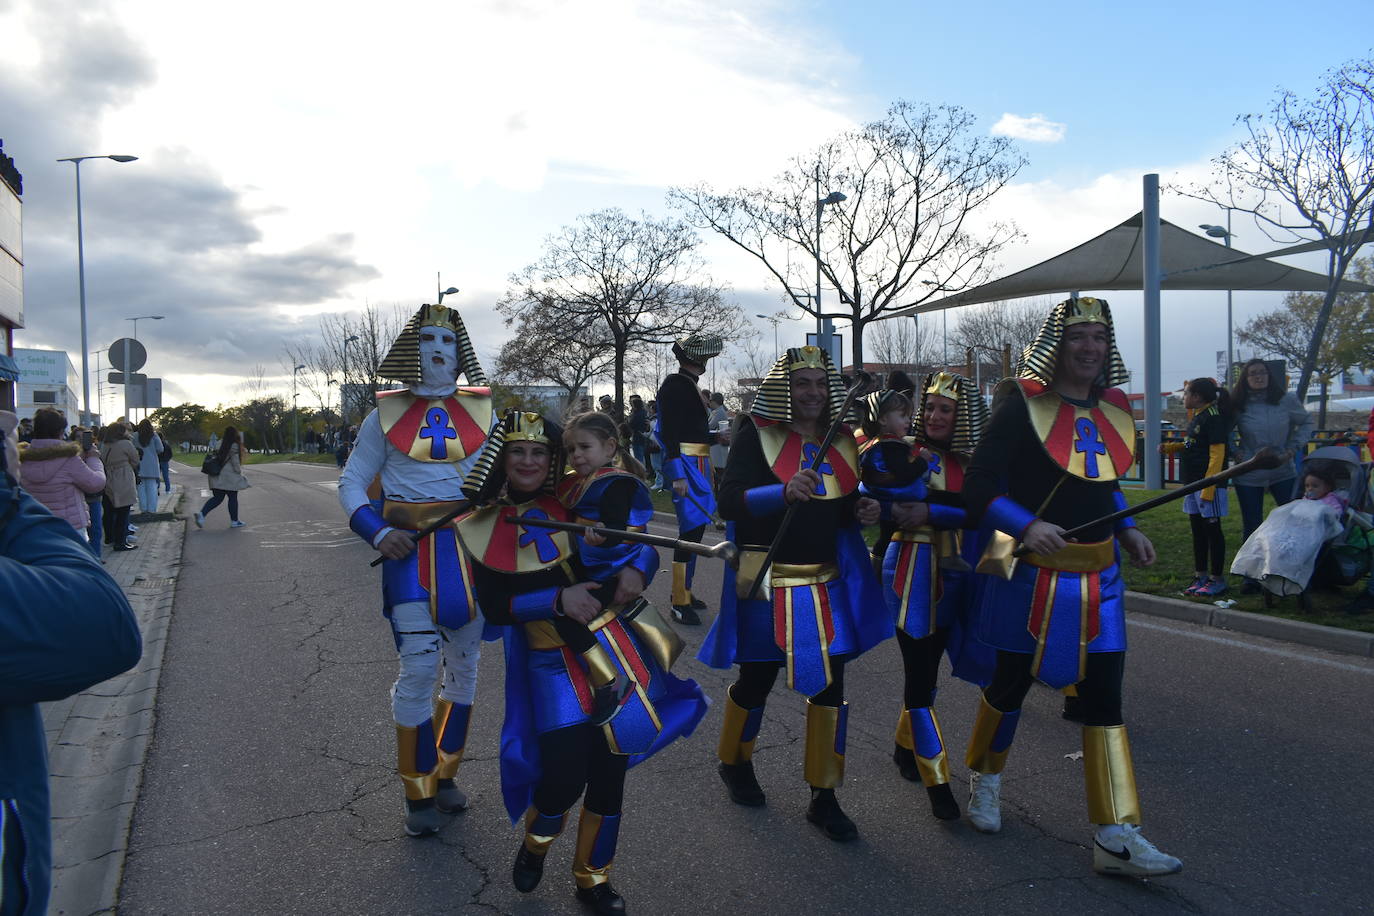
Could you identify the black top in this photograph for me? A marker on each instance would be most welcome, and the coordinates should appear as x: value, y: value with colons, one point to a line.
x: 1011, y: 460
x: 1207, y: 428
x: 810, y: 535
x: 682, y: 415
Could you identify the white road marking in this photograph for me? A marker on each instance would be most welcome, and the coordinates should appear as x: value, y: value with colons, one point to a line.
x: 1241, y: 644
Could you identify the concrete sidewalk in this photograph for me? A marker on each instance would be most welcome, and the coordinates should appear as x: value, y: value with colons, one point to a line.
x: 97, y: 740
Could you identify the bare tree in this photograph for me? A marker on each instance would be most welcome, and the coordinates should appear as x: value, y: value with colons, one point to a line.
x: 909, y: 345
x: 543, y: 349
x: 913, y: 184
x: 640, y: 281
x: 1306, y: 171
x: 993, y: 325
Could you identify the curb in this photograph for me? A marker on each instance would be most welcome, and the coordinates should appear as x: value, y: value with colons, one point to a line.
x: 1333, y: 639
x: 98, y: 740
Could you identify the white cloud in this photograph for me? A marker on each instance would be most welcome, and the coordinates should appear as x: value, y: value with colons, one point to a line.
x: 1035, y: 129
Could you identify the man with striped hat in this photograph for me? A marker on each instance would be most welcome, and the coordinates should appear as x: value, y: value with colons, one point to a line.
x: 1060, y: 438
x: 420, y: 442
x: 685, y: 437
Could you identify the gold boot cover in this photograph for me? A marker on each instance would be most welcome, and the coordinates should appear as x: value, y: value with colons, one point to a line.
x: 993, y: 731
x: 417, y: 760
x: 1109, y: 776
x: 596, y: 839
x: 825, y: 735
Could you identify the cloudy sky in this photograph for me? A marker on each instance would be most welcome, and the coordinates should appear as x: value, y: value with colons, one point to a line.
x: 303, y: 157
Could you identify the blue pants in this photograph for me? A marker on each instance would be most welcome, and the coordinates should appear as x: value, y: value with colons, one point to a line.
x: 1251, y: 501
x: 166, y: 467
x: 219, y: 498
x: 147, y: 494
x: 96, y: 532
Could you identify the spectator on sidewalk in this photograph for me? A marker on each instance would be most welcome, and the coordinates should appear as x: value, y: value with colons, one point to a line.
x: 164, y: 462
x: 229, y: 481
x: 639, y: 429
x: 121, y: 463
x: 44, y: 656
x: 718, y: 421
x: 59, y: 474
x: 149, y: 466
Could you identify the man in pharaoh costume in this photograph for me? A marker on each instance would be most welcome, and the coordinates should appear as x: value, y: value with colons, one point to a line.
x: 682, y: 432
x: 1060, y: 438
x: 820, y: 606
x: 421, y: 441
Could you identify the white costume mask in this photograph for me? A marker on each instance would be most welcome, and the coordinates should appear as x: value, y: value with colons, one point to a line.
x: 438, y: 361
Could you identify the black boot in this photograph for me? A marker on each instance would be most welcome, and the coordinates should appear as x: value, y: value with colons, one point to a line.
x: 602, y: 899
x: 1073, y: 709
x: 906, y: 763
x: 529, y: 868
x: 607, y: 699
x: 826, y: 814
x: 744, y: 787
x: 686, y: 615
x: 942, y: 803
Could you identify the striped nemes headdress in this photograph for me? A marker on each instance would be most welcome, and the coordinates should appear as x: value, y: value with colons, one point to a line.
x: 1041, y: 355
x: 774, y: 401
x: 971, y: 411
x: 697, y: 348
x: 488, y: 476
x: 402, y: 362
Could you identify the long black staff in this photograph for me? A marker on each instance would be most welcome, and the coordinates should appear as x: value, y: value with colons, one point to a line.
x: 426, y: 531
x: 863, y: 385
x: 725, y: 550
x: 1264, y: 459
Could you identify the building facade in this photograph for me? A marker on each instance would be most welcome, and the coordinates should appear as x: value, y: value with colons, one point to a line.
x: 11, y: 274
x: 47, y: 378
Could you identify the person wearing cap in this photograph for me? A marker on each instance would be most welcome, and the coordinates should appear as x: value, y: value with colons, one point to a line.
x: 820, y: 606
x: 530, y: 581
x: 686, y: 438
x: 420, y: 442
x: 1060, y: 438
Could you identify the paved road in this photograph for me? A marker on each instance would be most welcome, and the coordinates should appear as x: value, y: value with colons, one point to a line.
x: 269, y: 787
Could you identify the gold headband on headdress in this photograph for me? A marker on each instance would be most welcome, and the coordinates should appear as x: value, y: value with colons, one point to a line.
x: 402, y: 362
x: 1086, y: 310
x: 945, y: 384
x: 527, y: 427
x: 807, y: 357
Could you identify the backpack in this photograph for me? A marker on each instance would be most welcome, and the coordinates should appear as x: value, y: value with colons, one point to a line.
x: 211, y: 465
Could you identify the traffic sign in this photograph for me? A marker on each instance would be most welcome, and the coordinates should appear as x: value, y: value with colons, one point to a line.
x: 117, y: 378
x: 138, y: 355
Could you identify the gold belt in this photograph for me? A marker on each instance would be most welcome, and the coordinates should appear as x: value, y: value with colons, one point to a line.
x: 416, y: 515
x: 1091, y: 557
x: 923, y: 535
x: 695, y: 449
x: 785, y: 575
x: 542, y: 634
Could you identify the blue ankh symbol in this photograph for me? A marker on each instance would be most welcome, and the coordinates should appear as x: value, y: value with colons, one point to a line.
x: 541, y: 538
x: 809, y: 451
x: 933, y: 468
x: 1089, y: 443
x: 437, y: 429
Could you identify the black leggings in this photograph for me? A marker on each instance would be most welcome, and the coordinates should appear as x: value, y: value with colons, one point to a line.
x: 921, y: 663
x: 219, y: 498
x: 1099, y: 691
x: 1208, y: 540
x: 695, y: 535
x: 756, y: 679
x: 577, y: 758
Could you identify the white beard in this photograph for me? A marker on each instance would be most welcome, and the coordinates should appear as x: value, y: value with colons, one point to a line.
x: 436, y: 379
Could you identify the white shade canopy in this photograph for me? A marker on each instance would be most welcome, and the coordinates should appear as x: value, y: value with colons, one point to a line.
x: 1112, y: 261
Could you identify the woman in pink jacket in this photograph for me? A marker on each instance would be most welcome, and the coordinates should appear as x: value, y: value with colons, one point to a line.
x: 57, y: 474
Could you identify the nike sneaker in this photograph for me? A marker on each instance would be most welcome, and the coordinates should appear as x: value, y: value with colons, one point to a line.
x: 985, y: 802
x: 1126, y: 852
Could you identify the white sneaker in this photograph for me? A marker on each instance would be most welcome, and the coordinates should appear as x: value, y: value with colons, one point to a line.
x: 236, y: 524
x: 985, y: 802
x: 200, y: 520
x: 1136, y: 856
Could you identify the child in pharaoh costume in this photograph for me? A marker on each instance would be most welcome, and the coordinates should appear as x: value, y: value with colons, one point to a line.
x: 1058, y: 442
x: 420, y: 441
x: 820, y: 606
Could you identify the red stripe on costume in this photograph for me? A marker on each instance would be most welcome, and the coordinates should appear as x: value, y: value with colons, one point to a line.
x: 1092, y: 582
x: 1059, y: 443
x: 821, y: 595
x: 1120, y: 451
x: 845, y: 477
x: 1039, y: 612
x: 582, y: 688
x: 638, y: 670
x: 470, y: 433
x: 901, y: 576
x: 501, y: 549
x: 789, y: 460
x: 403, y: 431
x: 426, y: 561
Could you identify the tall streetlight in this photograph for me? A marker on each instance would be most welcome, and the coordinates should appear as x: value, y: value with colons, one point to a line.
x: 825, y: 329
x: 343, y: 388
x: 128, y: 365
x: 295, y: 411
x: 81, y: 282
x: 777, y: 318
x: 1218, y: 232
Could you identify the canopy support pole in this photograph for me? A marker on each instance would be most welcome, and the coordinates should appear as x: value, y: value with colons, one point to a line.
x: 1149, y: 253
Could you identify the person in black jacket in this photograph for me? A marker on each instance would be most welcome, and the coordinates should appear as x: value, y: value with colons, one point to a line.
x: 64, y: 627
x: 686, y: 440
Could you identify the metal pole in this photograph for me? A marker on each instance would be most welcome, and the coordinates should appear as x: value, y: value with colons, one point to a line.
x: 1230, y: 350
x: 81, y: 284
x: 295, y: 416
x: 1149, y: 254
x: 822, y: 325
x: 128, y: 376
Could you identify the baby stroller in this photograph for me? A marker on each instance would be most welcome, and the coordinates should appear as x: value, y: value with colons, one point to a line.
x: 1302, y: 545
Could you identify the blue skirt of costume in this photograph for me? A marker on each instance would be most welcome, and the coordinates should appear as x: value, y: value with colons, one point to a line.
x: 547, y: 689
x: 694, y: 509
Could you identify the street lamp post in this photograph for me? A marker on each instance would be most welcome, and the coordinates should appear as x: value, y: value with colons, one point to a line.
x: 776, y: 320
x: 438, y: 286
x: 295, y: 411
x: 128, y: 363
x: 825, y: 328
x: 81, y: 281
x: 1217, y: 232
